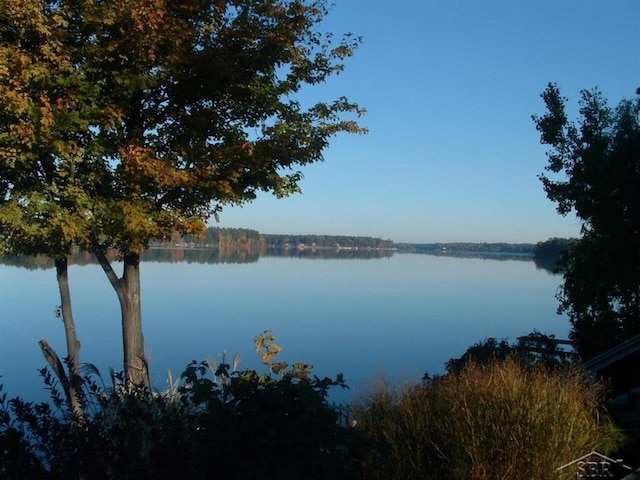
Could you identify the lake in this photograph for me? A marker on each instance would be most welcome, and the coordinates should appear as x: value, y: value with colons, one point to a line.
x: 393, y: 317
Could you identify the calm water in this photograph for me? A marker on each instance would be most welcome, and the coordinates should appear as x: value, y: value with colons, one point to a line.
x: 394, y: 317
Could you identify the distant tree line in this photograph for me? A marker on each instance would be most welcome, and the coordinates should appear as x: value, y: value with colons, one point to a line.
x: 227, y: 245
x: 214, y: 237
x: 326, y: 241
x: 468, y: 247
x: 218, y: 237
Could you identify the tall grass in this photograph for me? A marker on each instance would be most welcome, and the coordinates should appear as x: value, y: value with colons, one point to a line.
x: 486, y: 422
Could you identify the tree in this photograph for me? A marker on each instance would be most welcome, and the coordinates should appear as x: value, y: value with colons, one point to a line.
x: 598, y: 162
x: 178, y: 107
x: 42, y: 203
x: 547, y: 254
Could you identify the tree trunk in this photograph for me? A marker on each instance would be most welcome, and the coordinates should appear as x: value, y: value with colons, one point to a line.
x: 73, y: 345
x: 128, y: 290
x: 73, y: 382
x: 133, y: 341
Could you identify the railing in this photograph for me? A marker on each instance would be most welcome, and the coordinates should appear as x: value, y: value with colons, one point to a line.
x: 597, y: 363
x: 546, y: 346
x: 613, y: 355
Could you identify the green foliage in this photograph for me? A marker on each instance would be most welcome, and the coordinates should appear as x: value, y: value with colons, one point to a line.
x: 535, y: 349
x: 499, y: 420
x: 125, y: 121
x: 552, y: 248
x: 594, y: 170
x: 485, y: 352
x: 551, y: 253
x: 214, y: 422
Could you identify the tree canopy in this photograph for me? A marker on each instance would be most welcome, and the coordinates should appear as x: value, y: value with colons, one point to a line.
x: 176, y: 108
x: 594, y: 171
x: 128, y: 120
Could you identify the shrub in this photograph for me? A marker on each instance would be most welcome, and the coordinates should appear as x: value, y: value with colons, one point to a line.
x: 536, y: 348
x: 498, y: 420
x: 215, y: 422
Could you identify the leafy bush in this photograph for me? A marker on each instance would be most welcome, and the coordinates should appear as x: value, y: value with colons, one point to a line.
x: 215, y: 422
x: 536, y: 348
x: 498, y: 420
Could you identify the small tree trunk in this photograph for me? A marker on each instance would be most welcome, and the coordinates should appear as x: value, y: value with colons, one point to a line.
x: 73, y: 382
x: 73, y: 345
x: 128, y: 291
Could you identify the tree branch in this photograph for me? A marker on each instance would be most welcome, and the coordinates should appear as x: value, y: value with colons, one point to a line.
x: 108, y: 270
x: 70, y: 386
x: 54, y: 362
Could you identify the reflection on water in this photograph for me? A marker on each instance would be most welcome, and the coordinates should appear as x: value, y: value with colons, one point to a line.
x: 397, y: 316
x: 162, y: 255
x: 202, y: 255
x: 238, y: 255
x: 550, y: 264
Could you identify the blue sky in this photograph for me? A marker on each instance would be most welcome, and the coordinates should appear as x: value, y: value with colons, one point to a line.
x: 450, y: 86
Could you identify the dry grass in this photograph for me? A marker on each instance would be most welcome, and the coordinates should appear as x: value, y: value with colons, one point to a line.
x: 498, y: 421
